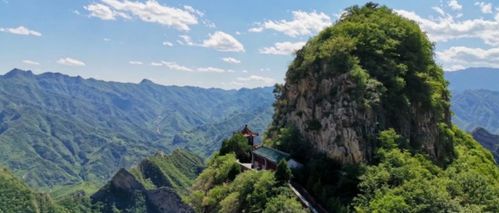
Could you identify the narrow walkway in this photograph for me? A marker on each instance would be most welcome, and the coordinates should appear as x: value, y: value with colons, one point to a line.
x: 303, y: 200
x: 306, y: 198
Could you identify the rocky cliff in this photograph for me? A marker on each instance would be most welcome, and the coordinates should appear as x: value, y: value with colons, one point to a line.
x: 361, y: 76
x: 152, y: 186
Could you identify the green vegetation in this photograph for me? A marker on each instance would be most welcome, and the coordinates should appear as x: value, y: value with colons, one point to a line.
x: 283, y: 172
x: 237, y: 144
x: 403, y: 182
x: 222, y: 188
x: 60, y: 130
x: 392, y: 80
x: 15, y: 197
x: 157, y: 181
x: 177, y: 170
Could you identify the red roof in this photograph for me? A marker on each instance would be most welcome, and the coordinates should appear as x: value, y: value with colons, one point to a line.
x: 247, y: 132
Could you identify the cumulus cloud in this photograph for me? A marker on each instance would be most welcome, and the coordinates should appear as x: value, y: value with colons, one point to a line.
x: 460, y: 57
x: 282, y: 48
x: 21, y: 30
x: 303, y: 23
x: 149, y: 11
x: 223, y: 42
x: 231, y: 60
x: 135, y: 62
x: 101, y: 11
x: 445, y: 27
x: 30, y: 62
x: 70, y: 62
x: 454, y: 4
x: 484, y: 7
x: 219, y: 41
x: 177, y: 67
x: 167, y: 44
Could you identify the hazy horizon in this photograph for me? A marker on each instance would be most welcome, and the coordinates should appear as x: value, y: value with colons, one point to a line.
x: 225, y: 45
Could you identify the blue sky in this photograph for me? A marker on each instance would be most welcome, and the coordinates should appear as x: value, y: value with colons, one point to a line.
x: 220, y: 43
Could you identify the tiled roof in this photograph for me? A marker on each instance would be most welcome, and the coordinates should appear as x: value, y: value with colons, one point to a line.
x: 273, y: 155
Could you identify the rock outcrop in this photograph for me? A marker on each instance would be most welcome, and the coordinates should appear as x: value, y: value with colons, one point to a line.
x: 354, y: 80
x: 124, y: 192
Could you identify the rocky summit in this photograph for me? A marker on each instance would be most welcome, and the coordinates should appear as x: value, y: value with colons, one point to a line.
x: 361, y: 76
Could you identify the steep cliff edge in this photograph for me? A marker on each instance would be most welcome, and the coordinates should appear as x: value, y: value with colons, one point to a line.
x: 371, y: 71
x: 155, y: 185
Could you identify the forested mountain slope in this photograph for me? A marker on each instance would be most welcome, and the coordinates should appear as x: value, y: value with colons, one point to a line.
x: 56, y: 129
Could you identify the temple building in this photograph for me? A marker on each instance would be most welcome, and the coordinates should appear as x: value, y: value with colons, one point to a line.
x: 250, y: 135
x: 267, y: 158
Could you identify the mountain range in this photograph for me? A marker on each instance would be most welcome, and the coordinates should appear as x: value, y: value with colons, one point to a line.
x: 61, y: 130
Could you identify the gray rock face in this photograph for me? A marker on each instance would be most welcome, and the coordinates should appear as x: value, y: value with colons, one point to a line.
x: 165, y: 200
x: 126, y: 193
x: 342, y: 121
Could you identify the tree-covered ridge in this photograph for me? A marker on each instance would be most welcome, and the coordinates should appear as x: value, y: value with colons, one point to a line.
x: 15, y: 196
x: 223, y: 187
x: 403, y: 182
x: 366, y: 109
x: 177, y: 170
x: 154, y: 185
x: 370, y: 71
x: 59, y: 130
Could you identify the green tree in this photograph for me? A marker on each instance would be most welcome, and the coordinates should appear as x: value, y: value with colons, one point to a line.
x: 237, y: 144
x: 283, y: 203
x: 283, y: 173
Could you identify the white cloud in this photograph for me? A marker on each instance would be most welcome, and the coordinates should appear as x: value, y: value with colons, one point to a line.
x: 106, y: 39
x: 70, y: 62
x: 461, y: 57
x: 219, y: 40
x: 439, y: 10
x: 303, y: 23
x: 253, y: 81
x: 21, y: 30
x: 454, y: 4
x: 101, y: 11
x: 76, y: 12
x: 167, y: 44
x: 446, y: 28
x: 30, y: 62
x: 177, y: 67
x: 148, y: 11
x: 192, y: 10
x: 231, y: 60
x: 223, y: 42
x: 135, y: 62
x: 185, y: 40
x: 484, y: 7
x: 210, y: 69
x: 282, y: 48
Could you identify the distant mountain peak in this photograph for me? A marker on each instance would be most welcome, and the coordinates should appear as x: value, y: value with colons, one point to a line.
x: 146, y: 81
x: 19, y: 73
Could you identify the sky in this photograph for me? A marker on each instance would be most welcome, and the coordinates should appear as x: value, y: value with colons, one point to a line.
x: 219, y: 43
